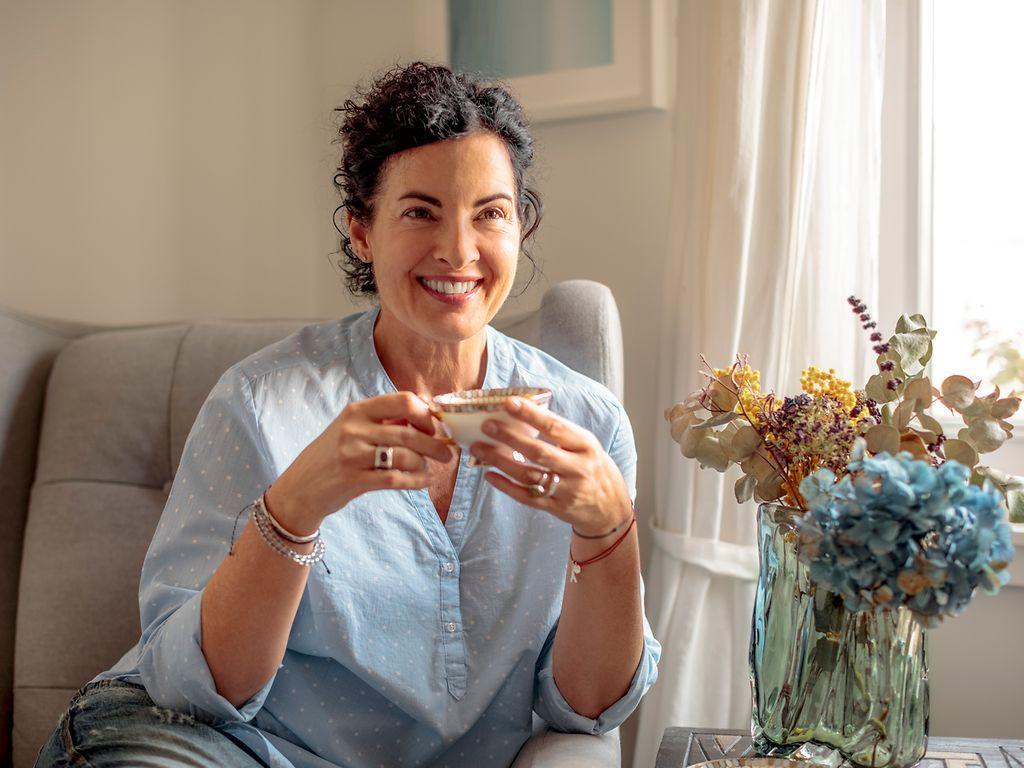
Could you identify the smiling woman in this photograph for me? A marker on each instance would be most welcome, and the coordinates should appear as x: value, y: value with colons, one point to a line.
x: 438, y: 614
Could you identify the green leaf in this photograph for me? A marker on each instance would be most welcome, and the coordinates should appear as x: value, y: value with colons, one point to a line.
x: 1015, y: 502
x: 913, y: 349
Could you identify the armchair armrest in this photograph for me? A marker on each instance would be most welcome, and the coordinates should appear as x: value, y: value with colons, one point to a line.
x: 553, y: 749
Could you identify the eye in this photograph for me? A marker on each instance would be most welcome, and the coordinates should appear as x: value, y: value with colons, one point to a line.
x: 501, y: 213
x: 415, y: 210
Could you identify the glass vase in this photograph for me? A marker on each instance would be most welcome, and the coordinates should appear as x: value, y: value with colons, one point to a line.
x: 826, y: 680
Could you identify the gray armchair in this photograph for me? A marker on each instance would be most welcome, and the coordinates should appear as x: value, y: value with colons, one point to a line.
x: 93, y: 421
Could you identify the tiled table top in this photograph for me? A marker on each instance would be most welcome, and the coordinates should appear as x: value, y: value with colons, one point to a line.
x: 682, y: 747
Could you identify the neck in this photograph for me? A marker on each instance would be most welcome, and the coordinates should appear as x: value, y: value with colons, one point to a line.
x: 428, y: 366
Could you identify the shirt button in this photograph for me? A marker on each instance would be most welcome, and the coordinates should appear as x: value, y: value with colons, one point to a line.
x: 448, y: 567
x: 451, y: 626
x: 456, y: 515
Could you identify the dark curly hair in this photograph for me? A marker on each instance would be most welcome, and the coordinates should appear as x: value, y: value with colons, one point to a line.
x: 416, y: 104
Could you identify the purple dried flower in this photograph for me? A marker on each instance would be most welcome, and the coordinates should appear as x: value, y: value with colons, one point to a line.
x: 887, y: 365
x: 876, y: 336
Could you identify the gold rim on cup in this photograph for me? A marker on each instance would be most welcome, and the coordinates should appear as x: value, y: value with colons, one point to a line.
x: 470, y: 400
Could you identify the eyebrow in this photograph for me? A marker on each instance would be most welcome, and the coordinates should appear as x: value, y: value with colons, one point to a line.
x: 434, y: 201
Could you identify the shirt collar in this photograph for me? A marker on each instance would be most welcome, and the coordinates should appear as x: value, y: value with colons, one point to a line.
x: 371, y: 375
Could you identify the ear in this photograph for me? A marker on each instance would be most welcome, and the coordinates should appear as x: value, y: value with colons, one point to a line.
x: 358, y: 231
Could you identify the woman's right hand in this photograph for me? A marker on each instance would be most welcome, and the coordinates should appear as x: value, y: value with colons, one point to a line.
x: 338, y: 465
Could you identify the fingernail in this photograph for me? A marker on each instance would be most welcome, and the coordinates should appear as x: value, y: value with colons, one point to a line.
x: 513, y: 403
x: 490, y: 428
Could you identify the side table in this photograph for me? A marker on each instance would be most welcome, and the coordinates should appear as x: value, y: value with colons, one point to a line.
x: 682, y: 747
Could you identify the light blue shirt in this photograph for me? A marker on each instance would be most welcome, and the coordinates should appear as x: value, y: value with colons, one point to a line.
x: 428, y: 643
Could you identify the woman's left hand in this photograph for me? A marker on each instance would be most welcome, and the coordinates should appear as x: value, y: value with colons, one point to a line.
x: 591, y: 494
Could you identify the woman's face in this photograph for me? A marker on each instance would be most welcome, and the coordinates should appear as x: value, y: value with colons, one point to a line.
x: 445, y: 217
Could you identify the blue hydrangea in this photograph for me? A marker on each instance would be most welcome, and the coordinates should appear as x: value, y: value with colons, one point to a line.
x: 898, y: 531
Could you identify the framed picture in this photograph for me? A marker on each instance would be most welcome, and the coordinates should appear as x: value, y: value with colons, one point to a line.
x: 562, y: 58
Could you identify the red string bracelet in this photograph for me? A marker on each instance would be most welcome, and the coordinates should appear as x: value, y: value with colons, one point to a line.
x: 577, y: 567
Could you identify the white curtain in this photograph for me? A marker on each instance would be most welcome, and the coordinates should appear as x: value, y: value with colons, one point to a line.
x: 775, y: 207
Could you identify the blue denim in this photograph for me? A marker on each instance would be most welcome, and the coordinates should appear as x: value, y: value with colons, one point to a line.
x: 115, y: 723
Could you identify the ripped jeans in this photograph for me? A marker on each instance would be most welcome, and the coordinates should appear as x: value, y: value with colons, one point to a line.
x: 116, y: 723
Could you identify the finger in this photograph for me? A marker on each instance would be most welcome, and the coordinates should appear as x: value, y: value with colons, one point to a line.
x: 399, y: 405
x: 560, y: 430
x: 502, y: 458
x: 519, y: 493
x: 532, y: 449
x: 412, y: 439
x: 402, y: 459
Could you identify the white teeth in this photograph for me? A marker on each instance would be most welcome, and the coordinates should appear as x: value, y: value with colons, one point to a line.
x: 445, y: 287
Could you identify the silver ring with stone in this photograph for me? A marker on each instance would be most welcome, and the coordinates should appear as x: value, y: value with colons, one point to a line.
x: 383, y: 456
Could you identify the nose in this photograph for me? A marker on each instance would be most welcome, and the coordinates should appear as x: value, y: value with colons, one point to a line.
x: 459, y: 247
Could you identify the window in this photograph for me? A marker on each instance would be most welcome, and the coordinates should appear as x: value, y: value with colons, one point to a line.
x: 951, y: 242
x: 977, y: 194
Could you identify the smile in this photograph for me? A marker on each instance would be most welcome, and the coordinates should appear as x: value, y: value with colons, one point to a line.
x: 451, y: 292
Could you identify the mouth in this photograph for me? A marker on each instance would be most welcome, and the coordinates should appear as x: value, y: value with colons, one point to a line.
x: 451, y: 292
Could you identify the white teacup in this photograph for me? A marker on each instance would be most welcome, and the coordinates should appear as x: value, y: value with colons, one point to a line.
x: 463, y: 413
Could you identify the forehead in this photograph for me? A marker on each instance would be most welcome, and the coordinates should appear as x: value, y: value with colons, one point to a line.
x: 470, y: 164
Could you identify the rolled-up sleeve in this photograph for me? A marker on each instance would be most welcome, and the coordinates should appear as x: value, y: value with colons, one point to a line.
x: 549, y: 702
x: 224, y: 467
x: 551, y: 705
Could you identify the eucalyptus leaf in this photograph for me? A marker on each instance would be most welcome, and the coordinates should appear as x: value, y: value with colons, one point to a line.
x: 929, y: 423
x: 745, y: 488
x: 926, y: 435
x: 914, y: 445
x: 904, y: 413
x: 1005, y: 408
x: 688, y: 443
x: 744, y: 442
x: 913, y: 349
x: 883, y: 437
x: 987, y: 435
x: 962, y: 451
x: 1015, y: 502
x: 958, y: 392
x: 876, y: 389
x: 722, y: 396
x: 711, y: 454
x: 771, y: 487
x: 919, y: 390
x: 717, y: 420
x: 1006, y: 482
